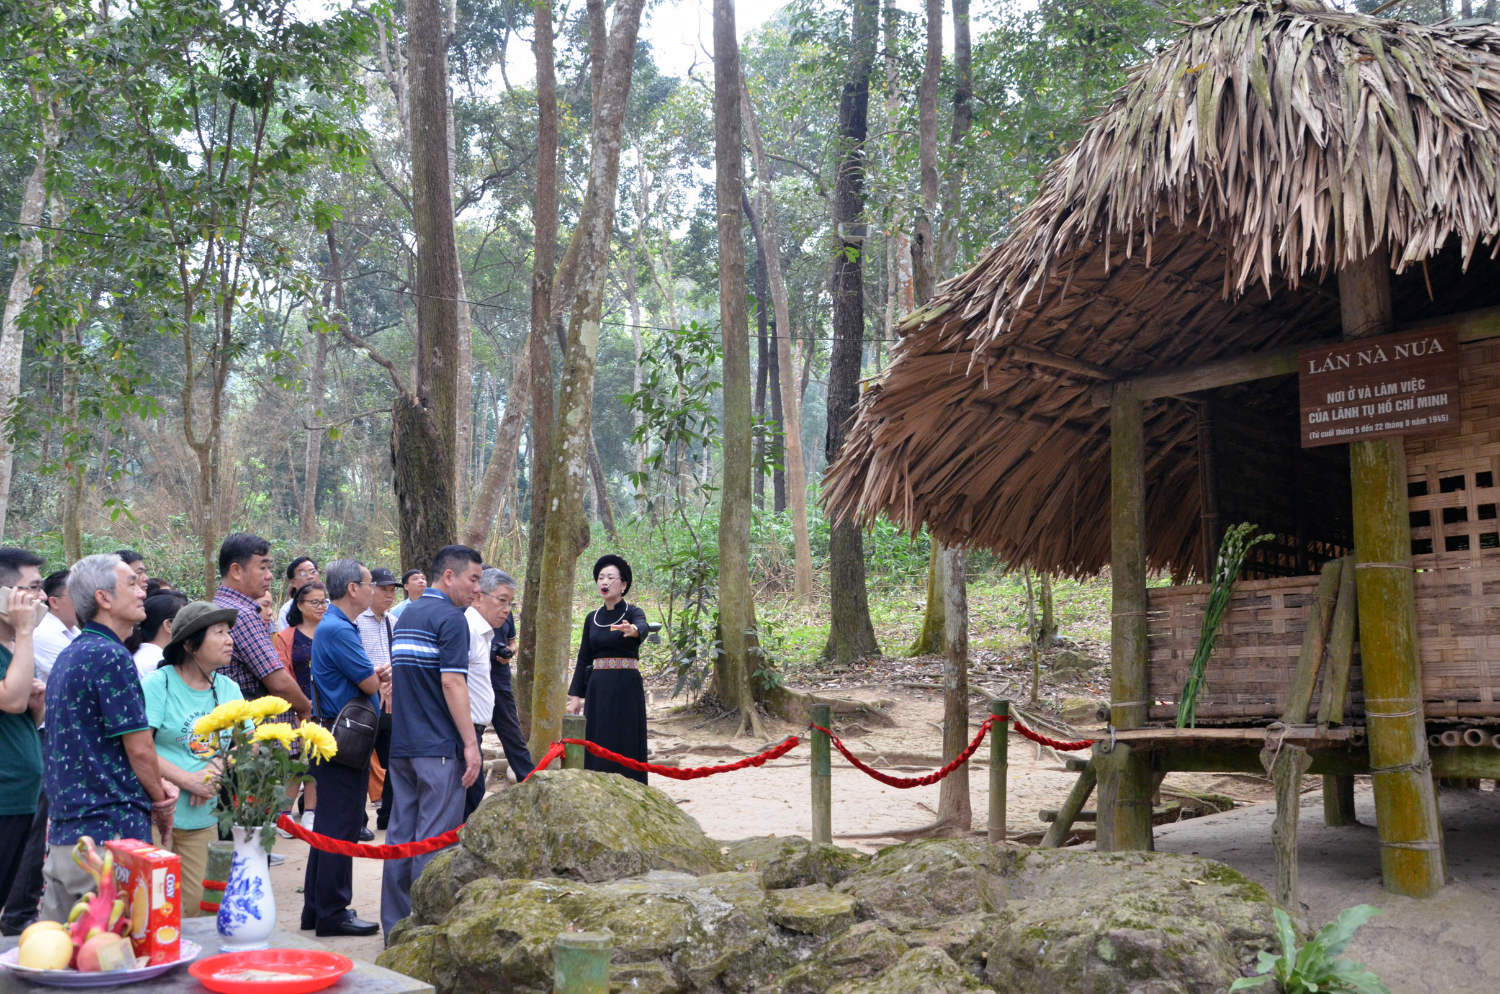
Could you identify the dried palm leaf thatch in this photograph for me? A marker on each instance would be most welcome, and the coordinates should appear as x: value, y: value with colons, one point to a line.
x: 1271, y: 144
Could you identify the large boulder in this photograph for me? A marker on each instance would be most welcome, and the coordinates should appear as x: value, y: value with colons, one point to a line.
x: 586, y: 826
x: 1123, y: 923
x: 673, y: 933
x: 586, y: 851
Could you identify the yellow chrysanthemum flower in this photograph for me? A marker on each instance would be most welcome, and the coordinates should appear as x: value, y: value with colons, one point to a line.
x: 278, y: 732
x: 320, y: 742
x: 226, y: 715
x: 266, y: 707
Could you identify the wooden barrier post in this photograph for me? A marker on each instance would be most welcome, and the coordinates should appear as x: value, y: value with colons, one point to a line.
x: 999, y: 767
x: 1406, y: 816
x: 575, y: 726
x: 822, y: 776
x: 580, y: 962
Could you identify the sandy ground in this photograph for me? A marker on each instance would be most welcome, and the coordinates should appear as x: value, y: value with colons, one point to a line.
x: 1417, y: 946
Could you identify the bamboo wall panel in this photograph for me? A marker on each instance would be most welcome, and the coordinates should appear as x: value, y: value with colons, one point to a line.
x: 1250, y: 673
x: 1451, y: 478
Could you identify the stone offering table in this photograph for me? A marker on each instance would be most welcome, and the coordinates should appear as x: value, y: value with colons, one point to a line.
x: 365, y: 978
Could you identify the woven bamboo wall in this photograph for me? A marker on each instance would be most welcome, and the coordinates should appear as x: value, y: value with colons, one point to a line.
x: 1455, y: 550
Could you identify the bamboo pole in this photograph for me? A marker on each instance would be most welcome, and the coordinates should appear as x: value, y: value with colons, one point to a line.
x: 1338, y: 788
x: 1057, y: 832
x: 574, y: 726
x: 1286, y: 764
x: 999, y: 768
x: 1411, y: 846
x: 1310, y: 662
x: 822, y: 776
x: 1124, y: 780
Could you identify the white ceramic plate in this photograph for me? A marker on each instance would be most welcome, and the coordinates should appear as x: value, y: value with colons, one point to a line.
x: 114, y: 978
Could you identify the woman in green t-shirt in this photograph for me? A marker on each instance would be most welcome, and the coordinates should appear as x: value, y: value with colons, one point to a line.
x: 185, y: 687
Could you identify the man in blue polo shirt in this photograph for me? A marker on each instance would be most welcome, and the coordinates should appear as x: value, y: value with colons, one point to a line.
x: 340, y: 669
x: 434, y: 752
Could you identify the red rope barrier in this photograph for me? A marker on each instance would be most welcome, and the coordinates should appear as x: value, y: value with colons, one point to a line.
x: 404, y: 850
x: 691, y: 772
x: 1041, y: 739
x: 905, y: 782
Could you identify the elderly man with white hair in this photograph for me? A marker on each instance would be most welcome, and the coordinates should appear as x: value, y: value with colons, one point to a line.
x: 103, y: 780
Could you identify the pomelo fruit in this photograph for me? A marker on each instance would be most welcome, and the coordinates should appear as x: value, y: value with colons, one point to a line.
x: 48, y: 949
x: 36, y: 928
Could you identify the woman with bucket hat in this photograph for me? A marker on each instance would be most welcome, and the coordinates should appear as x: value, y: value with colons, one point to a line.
x: 185, y: 686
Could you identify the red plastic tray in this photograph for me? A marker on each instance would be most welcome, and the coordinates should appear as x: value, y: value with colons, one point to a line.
x: 315, y: 969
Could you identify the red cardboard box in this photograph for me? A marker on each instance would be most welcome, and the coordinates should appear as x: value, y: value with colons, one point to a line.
x: 149, y: 879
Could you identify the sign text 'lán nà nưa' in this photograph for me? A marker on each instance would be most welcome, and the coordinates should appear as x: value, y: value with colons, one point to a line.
x: 1404, y: 384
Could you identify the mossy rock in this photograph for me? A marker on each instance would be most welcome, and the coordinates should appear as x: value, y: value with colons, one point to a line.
x: 674, y: 933
x: 1119, y: 923
x: 912, y: 885
x: 928, y: 970
x: 792, y: 861
x: 586, y: 826
x: 813, y: 910
x: 435, y: 892
x: 861, y: 951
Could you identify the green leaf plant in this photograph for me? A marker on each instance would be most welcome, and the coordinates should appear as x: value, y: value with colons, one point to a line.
x: 1317, y: 966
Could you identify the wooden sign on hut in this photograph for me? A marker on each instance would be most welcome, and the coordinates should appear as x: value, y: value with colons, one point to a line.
x: 1117, y: 382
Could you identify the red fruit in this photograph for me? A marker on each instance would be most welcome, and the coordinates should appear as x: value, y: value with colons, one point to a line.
x: 98, y: 914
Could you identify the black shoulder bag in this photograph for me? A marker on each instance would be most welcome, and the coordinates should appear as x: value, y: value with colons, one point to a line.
x: 353, y: 729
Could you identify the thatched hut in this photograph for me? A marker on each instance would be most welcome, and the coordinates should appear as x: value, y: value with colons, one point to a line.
x: 1117, y: 380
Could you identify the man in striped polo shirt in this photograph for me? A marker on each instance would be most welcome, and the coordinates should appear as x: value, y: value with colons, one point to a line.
x: 434, y: 752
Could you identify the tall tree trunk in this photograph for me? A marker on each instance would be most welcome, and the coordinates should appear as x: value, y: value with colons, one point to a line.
x: 1047, y: 628
x: 543, y: 263
x: 953, y: 795
x: 72, y: 531
x: 601, y: 490
x: 485, y: 507
x: 734, y: 667
x: 934, y: 619
x: 768, y: 235
x: 851, y: 635
x: 464, y: 406
x: 28, y: 253
x: 778, y: 436
x: 762, y: 364
x: 963, y: 121
x: 312, y: 462
x: 565, y: 534
x: 924, y: 238
x: 424, y: 441
x: 643, y: 209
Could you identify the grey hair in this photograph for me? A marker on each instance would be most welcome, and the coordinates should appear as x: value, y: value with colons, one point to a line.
x: 339, y: 574
x: 492, y: 578
x: 86, y: 578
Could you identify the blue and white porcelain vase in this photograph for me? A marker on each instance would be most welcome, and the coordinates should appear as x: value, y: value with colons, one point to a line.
x: 247, y: 913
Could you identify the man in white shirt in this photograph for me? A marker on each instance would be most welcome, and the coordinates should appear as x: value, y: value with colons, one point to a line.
x: 376, y: 630
x: 59, y: 628
x: 481, y: 692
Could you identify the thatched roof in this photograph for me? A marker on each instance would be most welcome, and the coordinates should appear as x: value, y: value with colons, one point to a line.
x: 1203, y: 215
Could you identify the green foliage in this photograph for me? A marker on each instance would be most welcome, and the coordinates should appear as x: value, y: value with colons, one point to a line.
x: 1237, y: 542
x: 1317, y: 967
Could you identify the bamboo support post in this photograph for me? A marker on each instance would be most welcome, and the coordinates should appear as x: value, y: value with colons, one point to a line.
x: 1286, y: 765
x: 822, y: 776
x: 1129, y: 787
x: 1310, y: 662
x: 999, y: 768
x: 580, y: 962
x: 1057, y: 832
x: 1406, y: 817
x: 574, y: 726
x: 1338, y: 799
x: 1340, y: 648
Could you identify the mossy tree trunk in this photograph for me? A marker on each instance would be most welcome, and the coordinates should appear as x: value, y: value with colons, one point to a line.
x: 851, y: 635
x: 566, y: 532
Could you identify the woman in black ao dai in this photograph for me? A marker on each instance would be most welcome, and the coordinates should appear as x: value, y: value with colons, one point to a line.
x: 607, y: 679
